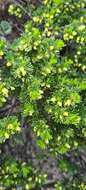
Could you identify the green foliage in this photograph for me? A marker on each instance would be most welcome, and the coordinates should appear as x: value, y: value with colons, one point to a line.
x: 2, y: 47
x: 3, y: 93
x: 43, y: 133
x: 15, y: 10
x: 45, y: 70
x: 71, y: 170
x: 48, y: 65
x: 74, y: 186
x: 14, y: 174
x: 8, y: 127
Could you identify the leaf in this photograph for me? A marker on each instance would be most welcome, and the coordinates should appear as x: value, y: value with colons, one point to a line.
x: 57, y: 1
x: 6, y: 27
x: 59, y: 44
x: 25, y: 171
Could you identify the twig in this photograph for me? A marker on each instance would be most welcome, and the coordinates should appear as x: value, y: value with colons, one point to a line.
x: 50, y: 183
x: 18, y: 4
x: 6, y: 108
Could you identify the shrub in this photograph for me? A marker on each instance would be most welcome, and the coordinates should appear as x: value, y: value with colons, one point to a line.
x: 44, y: 70
x: 15, y: 174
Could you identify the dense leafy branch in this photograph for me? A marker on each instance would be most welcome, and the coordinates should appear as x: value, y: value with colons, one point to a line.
x: 44, y: 71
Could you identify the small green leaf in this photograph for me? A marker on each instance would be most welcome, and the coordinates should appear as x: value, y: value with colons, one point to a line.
x: 6, y: 27
x: 59, y: 44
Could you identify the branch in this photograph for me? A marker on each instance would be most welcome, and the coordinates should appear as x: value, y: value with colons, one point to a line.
x: 50, y: 183
x: 18, y: 4
x: 10, y: 109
